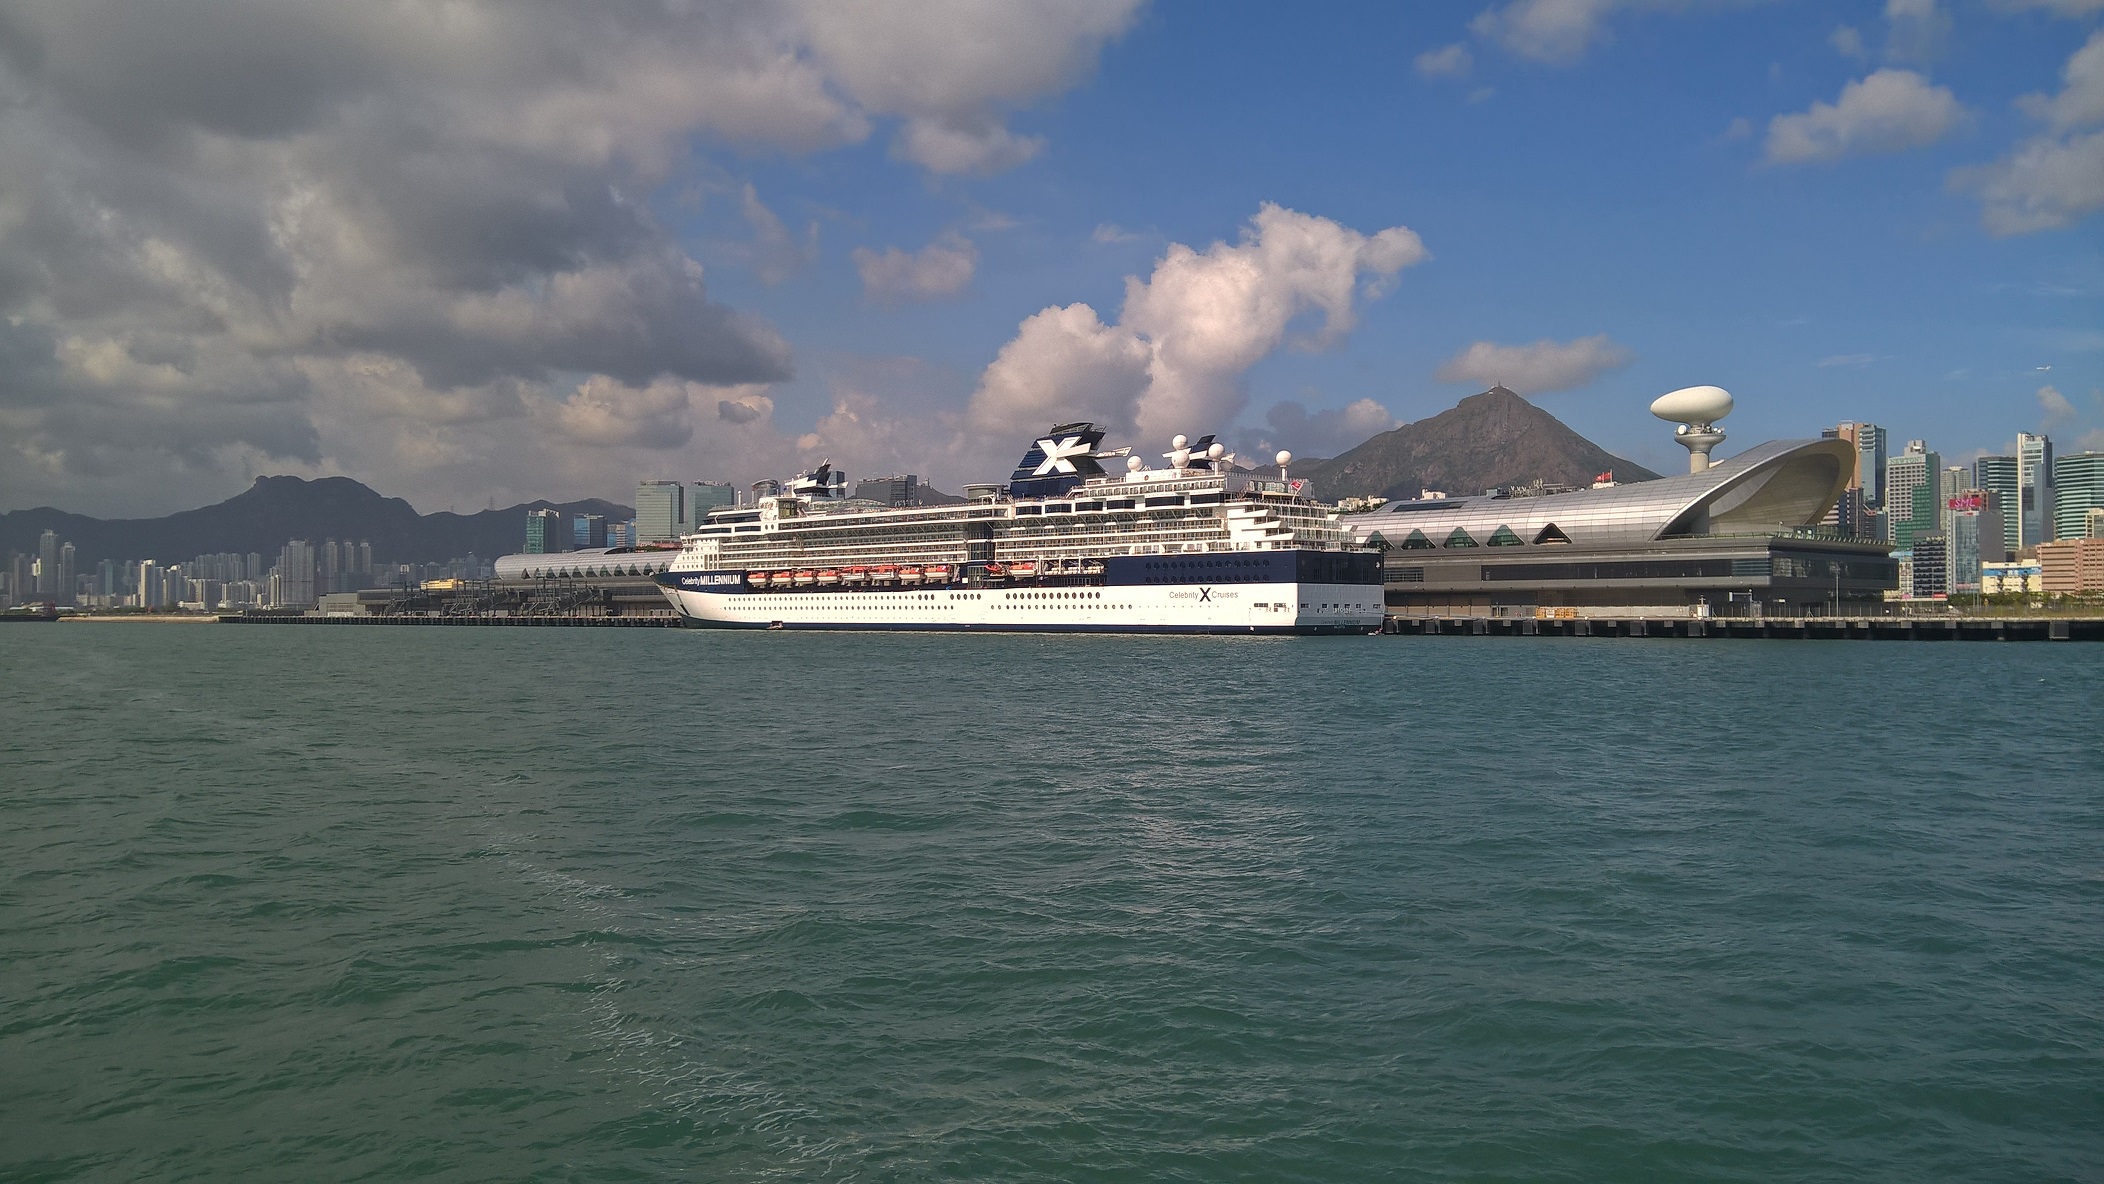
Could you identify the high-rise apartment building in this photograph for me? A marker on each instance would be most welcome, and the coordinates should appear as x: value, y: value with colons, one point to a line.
x: 661, y: 511
x: 47, y: 564
x: 2078, y: 488
x: 296, y: 575
x: 1907, y: 474
x: 1870, y: 462
x: 1997, y: 475
x: 544, y: 532
x: 68, y: 578
x: 2034, y: 479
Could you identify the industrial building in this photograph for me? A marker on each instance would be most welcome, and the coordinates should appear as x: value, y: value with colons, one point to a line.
x: 1740, y: 537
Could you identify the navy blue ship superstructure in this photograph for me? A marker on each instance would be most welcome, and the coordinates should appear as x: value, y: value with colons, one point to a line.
x: 1202, y: 544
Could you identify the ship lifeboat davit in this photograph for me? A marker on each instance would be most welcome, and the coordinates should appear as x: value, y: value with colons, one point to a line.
x: 854, y: 577
x: 1026, y: 570
x: 828, y: 577
x: 806, y: 578
x: 938, y: 573
x: 909, y: 575
x: 782, y: 579
x: 885, y: 575
x: 996, y: 571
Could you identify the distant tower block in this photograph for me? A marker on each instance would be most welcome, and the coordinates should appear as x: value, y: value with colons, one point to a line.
x: 1696, y: 409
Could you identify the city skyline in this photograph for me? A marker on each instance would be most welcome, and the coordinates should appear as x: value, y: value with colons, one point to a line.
x: 895, y: 235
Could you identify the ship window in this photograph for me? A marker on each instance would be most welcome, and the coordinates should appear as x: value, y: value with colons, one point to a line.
x: 1460, y: 538
x: 1503, y: 537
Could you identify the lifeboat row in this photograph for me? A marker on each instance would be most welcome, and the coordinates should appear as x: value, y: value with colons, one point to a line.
x: 884, y: 576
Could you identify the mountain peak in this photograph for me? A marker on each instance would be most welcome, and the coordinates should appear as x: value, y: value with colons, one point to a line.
x: 1491, y: 439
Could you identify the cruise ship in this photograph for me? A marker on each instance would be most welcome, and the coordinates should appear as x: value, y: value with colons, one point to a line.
x: 1199, y: 545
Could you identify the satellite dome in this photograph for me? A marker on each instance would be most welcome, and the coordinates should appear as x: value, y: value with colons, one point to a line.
x: 1134, y: 463
x: 1693, y: 404
x: 1179, y: 440
x: 1284, y: 457
x: 1216, y: 451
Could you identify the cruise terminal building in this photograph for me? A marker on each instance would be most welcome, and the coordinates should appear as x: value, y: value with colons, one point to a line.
x: 1741, y: 537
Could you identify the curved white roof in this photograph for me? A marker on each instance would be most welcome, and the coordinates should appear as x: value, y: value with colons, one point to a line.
x: 1783, y: 485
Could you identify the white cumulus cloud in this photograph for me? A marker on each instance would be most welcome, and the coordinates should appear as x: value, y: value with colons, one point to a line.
x: 2054, y: 405
x: 1539, y: 367
x: 1889, y: 111
x: 1452, y: 61
x: 2056, y: 178
x: 1545, y: 30
x: 1174, y: 360
x: 942, y: 268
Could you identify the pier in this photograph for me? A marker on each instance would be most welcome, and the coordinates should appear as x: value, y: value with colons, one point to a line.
x: 1954, y: 628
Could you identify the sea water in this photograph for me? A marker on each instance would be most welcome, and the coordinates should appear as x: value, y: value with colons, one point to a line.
x: 568, y: 904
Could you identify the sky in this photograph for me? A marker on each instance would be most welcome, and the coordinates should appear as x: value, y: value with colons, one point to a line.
x: 475, y: 253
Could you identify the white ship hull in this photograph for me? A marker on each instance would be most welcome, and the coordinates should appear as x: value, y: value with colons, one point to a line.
x: 1241, y: 608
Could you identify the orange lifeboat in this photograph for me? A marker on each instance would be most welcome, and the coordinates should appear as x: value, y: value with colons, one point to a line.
x: 828, y: 577
x: 937, y: 573
x: 806, y: 578
x: 909, y: 575
x: 782, y: 579
x: 854, y: 577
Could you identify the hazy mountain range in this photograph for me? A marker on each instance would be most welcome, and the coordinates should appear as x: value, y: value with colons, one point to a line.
x: 275, y: 509
x: 1493, y: 439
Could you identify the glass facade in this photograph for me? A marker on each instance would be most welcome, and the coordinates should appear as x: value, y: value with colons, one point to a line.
x: 2078, y: 488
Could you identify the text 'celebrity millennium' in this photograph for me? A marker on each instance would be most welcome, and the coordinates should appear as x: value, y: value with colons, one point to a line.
x: 1199, y: 546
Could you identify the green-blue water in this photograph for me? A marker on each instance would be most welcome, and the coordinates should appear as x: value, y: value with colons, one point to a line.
x: 468, y: 904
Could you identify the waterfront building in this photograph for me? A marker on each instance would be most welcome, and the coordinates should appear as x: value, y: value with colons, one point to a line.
x: 1932, y: 564
x: 2072, y: 566
x: 1870, y: 462
x: 1741, y: 536
x: 2078, y: 488
x: 661, y: 511
x: 704, y: 496
x: 68, y: 579
x: 2016, y: 576
x: 1951, y: 481
x: 1854, y: 513
x: 1906, y: 473
x: 587, y: 531
x: 2034, y: 478
x: 2094, y: 524
x: 544, y: 532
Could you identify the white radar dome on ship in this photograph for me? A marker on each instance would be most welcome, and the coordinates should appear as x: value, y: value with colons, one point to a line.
x: 1179, y: 440
x: 1216, y: 451
x: 1133, y: 464
x: 1693, y: 404
x: 1284, y: 457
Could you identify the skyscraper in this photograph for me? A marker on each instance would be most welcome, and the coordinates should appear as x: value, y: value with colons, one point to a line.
x: 1870, y: 462
x: 47, y: 564
x: 703, y: 496
x: 1911, y: 471
x: 2078, y: 488
x: 68, y: 579
x: 661, y: 511
x: 544, y: 532
x: 1975, y: 533
x: 1997, y: 475
x: 588, y: 530
x: 2034, y: 478
x: 1951, y: 481
x: 296, y: 575
x: 1932, y: 559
